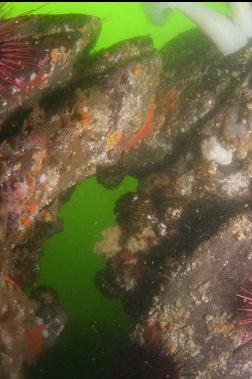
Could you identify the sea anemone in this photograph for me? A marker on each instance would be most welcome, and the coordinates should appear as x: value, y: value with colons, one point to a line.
x: 16, y: 51
x: 229, y: 36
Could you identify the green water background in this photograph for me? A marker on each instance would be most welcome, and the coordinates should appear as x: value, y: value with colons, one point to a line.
x: 96, y: 325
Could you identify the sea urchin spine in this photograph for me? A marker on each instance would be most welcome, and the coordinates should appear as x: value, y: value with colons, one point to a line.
x: 16, y: 51
x: 246, y: 297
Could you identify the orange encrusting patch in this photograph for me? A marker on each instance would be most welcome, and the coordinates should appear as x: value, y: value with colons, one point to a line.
x: 54, y: 55
x: 33, y: 209
x: 87, y: 119
x: 12, y: 283
x: 39, y: 82
x: 34, y: 340
x: 145, y: 131
x: 114, y: 139
x: 137, y: 70
x: 170, y: 99
x: 27, y: 222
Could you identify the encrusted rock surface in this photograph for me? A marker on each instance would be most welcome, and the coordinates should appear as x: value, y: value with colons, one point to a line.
x: 182, y: 247
x: 180, y: 120
x: 56, y: 43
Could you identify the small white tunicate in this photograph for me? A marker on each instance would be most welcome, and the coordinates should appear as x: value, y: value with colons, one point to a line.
x: 42, y: 179
x: 55, y: 118
x: 162, y: 229
x: 212, y: 150
x: 33, y: 76
x: 45, y: 333
x: 38, y: 321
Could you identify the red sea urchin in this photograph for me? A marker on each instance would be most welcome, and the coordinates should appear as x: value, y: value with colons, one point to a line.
x: 149, y: 360
x: 142, y: 362
x: 16, y: 51
x: 246, y: 297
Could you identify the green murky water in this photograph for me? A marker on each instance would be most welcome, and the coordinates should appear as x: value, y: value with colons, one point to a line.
x: 96, y: 324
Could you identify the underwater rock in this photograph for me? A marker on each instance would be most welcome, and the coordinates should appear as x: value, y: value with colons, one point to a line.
x: 181, y: 285
x: 195, y: 310
x: 58, y: 148
x: 49, y: 314
x: 23, y: 335
x: 57, y: 42
x: 197, y: 81
x: 54, y: 149
x: 187, y: 216
x: 180, y: 120
x: 175, y: 208
x: 116, y: 55
x: 16, y: 315
x: 194, y: 194
x: 24, y: 268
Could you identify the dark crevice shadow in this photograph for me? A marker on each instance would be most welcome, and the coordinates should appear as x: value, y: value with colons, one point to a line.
x: 78, y: 354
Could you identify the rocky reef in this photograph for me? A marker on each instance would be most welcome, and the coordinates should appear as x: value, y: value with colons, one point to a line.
x: 180, y: 120
x: 181, y: 249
